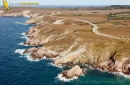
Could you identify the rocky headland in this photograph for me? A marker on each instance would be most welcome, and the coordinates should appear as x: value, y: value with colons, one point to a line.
x: 72, y: 43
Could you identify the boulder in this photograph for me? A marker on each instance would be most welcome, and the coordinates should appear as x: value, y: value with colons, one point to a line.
x: 75, y: 71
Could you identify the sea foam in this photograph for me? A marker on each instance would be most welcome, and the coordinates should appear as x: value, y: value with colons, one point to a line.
x: 60, y: 77
x: 115, y: 73
x: 22, y: 23
x: 22, y: 44
x: 51, y: 64
x: 121, y: 74
x: 31, y: 59
x: 27, y: 55
x: 20, y: 51
x: 25, y: 37
x: 30, y: 27
x: 23, y: 34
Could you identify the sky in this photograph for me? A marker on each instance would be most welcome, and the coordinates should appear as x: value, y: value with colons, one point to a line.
x: 74, y: 2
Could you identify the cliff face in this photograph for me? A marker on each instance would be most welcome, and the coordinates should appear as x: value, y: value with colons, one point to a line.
x: 72, y: 42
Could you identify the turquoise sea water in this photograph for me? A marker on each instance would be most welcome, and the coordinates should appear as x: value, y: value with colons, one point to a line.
x: 16, y: 69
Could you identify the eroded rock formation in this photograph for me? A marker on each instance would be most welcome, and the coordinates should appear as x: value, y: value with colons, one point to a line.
x: 75, y: 71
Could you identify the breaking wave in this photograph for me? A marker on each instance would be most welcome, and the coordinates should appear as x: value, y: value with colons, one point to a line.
x: 60, y: 77
x: 20, y: 51
x: 22, y: 23
x: 51, y: 64
x: 22, y: 44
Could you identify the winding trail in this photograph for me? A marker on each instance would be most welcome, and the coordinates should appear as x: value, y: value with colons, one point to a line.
x: 95, y: 29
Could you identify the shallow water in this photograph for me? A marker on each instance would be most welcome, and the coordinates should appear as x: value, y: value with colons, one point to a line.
x: 16, y: 69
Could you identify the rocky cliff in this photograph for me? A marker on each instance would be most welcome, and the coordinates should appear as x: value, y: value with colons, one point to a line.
x: 72, y: 47
x: 72, y: 43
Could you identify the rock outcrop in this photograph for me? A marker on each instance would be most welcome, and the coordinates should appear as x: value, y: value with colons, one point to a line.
x: 40, y: 53
x: 75, y: 71
x: 35, y: 20
x: 68, y: 56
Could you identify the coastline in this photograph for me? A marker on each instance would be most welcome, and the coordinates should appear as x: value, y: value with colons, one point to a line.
x: 49, y: 53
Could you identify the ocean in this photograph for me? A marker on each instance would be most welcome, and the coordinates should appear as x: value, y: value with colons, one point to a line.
x: 17, y: 69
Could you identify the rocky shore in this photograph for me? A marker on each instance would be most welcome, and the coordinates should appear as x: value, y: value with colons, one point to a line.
x: 71, y: 46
